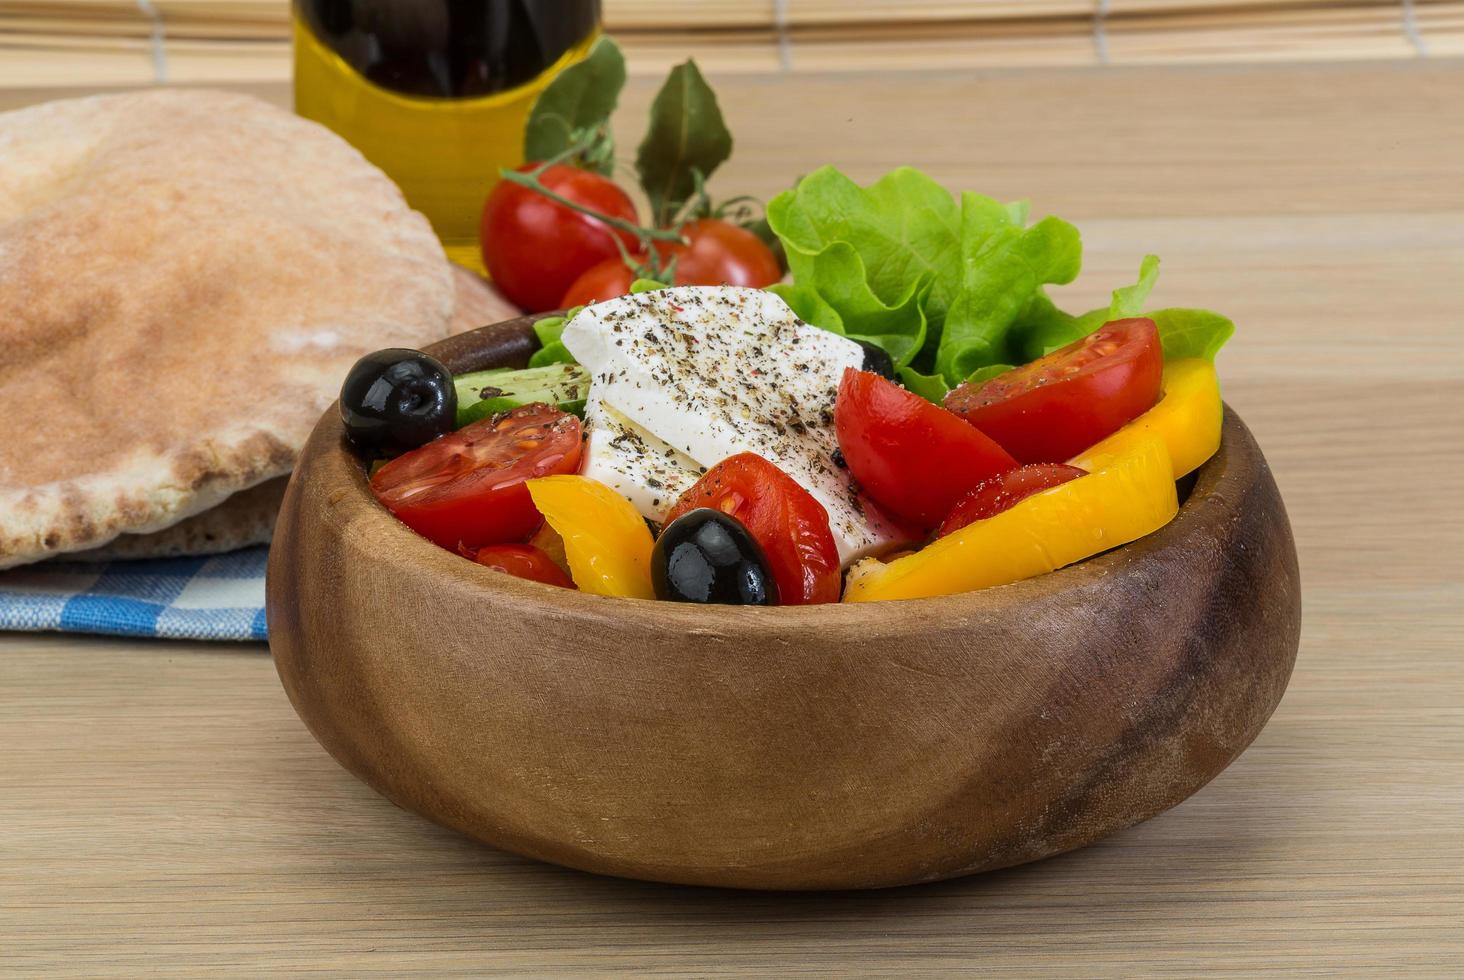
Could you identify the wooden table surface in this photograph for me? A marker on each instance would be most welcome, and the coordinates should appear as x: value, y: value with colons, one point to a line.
x: 162, y: 809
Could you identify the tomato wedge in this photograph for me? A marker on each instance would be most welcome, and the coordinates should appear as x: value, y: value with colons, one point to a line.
x: 523, y: 561
x: 1057, y: 406
x: 790, y: 526
x: 466, y: 489
x: 1003, y: 491
x: 915, y: 459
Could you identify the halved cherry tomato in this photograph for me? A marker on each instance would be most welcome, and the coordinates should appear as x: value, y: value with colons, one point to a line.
x: 535, y: 247
x: 998, y: 493
x: 791, y: 527
x: 717, y: 253
x: 1057, y: 406
x: 914, y: 458
x: 523, y: 561
x: 466, y: 489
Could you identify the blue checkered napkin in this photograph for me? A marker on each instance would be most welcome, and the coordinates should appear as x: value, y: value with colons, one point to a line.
x: 215, y: 598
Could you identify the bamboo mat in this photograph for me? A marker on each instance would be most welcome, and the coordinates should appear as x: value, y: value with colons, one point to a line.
x: 119, y: 42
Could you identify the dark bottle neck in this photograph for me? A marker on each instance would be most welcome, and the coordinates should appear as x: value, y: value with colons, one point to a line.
x: 450, y: 48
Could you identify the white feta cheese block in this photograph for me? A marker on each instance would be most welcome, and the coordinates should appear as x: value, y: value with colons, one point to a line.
x: 713, y: 371
x: 645, y: 470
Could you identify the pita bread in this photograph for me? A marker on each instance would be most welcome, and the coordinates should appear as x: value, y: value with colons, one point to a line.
x: 185, y: 278
x: 247, y: 518
x: 478, y: 303
x: 244, y: 519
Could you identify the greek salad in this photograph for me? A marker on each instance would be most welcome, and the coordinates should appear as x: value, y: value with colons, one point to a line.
x: 708, y: 444
x: 864, y: 393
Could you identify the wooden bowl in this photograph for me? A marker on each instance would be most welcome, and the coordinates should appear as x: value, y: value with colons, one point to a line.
x: 838, y: 746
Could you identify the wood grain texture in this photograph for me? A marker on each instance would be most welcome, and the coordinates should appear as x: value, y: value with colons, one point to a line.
x: 162, y: 810
x: 797, y: 748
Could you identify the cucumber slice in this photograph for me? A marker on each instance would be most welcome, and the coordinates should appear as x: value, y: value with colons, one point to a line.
x: 485, y: 393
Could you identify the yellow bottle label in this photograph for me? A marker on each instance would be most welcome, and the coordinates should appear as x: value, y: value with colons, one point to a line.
x: 445, y: 154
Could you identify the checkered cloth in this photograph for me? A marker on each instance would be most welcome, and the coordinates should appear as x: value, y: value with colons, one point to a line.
x: 217, y: 598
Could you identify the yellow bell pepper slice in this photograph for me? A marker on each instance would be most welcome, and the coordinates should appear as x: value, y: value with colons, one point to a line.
x: 606, y: 540
x: 1128, y: 493
x: 1187, y: 418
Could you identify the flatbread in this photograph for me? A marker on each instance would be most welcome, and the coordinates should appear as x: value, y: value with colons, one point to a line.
x: 247, y: 518
x: 244, y: 519
x: 478, y: 303
x: 185, y: 278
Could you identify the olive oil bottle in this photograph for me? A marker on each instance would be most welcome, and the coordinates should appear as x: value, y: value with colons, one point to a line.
x: 436, y: 92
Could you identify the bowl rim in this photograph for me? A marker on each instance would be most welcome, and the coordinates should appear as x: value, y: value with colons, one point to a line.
x: 1221, y: 481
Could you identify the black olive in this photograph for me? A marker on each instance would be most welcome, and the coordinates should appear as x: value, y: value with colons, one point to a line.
x: 707, y: 556
x: 877, y: 360
x: 397, y: 399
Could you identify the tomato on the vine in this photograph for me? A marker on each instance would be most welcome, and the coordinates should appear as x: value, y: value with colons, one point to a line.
x: 535, y: 247
x: 719, y: 253
x: 601, y: 281
x: 716, y: 253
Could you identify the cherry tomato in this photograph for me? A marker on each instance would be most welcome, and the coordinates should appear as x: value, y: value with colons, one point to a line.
x: 523, y: 561
x: 719, y: 253
x: 914, y: 458
x: 535, y: 248
x: 1057, y: 406
x: 466, y: 490
x: 1003, y: 491
x: 601, y: 281
x: 790, y: 526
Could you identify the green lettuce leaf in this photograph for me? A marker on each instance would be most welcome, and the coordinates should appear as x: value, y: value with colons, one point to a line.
x: 1043, y: 328
x: 898, y: 233
x: 549, y: 328
x: 899, y: 331
x: 987, y: 373
x: 551, y: 350
x: 1129, y: 300
x: 838, y: 298
x: 1191, y: 333
x: 936, y: 282
x: 555, y: 353
x: 931, y: 387
x: 953, y: 289
x: 809, y: 306
x: 1003, y: 265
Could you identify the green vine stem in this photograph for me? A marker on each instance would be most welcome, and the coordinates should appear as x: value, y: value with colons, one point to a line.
x: 532, y: 182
